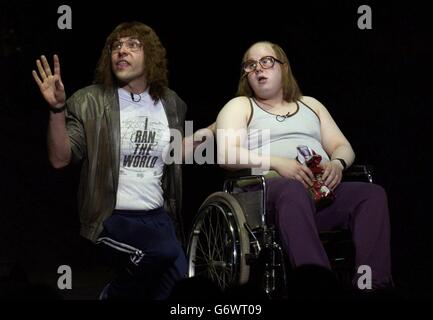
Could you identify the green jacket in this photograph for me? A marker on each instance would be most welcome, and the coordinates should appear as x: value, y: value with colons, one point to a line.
x: 93, y: 124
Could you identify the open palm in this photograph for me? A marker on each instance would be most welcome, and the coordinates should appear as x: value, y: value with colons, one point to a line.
x: 51, y: 85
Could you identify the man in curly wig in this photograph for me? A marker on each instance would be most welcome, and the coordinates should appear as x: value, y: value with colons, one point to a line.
x: 119, y: 131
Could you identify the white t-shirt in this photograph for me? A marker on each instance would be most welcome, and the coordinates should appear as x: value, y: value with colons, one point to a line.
x: 144, y: 140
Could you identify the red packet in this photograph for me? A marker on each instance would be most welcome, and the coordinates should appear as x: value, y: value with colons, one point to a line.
x: 320, y: 192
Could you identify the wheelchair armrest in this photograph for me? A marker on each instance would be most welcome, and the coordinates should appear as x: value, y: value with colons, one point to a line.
x: 244, y: 181
x: 359, y: 172
x: 243, y: 178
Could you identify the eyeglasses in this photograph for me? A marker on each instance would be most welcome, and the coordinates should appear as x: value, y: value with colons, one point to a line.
x: 131, y: 44
x: 265, y: 62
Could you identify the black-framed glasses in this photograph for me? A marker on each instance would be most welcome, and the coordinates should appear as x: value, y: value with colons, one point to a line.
x: 130, y: 44
x: 265, y: 62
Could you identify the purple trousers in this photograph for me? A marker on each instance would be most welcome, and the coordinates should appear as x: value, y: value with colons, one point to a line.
x: 359, y: 207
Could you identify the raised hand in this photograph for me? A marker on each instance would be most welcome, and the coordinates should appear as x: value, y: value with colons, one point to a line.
x: 51, y: 85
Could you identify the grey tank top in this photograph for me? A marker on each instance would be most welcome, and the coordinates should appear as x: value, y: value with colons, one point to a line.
x: 283, y: 137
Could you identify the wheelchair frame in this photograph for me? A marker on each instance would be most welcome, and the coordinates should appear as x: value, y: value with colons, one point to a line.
x: 247, y: 245
x: 224, y: 213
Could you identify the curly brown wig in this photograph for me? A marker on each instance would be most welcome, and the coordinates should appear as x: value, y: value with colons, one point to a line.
x: 155, y: 61
x: 291, y: 90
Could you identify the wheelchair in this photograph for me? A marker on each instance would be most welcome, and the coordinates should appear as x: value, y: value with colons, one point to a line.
x: 231, y: 243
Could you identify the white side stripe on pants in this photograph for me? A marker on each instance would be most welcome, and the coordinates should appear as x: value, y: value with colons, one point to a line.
x: 136, y: 255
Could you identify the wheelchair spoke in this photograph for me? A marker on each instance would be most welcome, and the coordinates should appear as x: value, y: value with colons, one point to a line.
x: 205, y: 267
x: 211, y: 236
x: 213, y: 273
x: 216, y: 249
x: 221, y: 283
x: 225, y: 251
x: 206, y: 233
x: 206, y: 272
x: 200, y: 265
x: 201, y: 249
x: 201, y: 256
x: 203, y: 253
x: 222, y: 247
x: 219, y: 229
x: 218, y: 246
x: 221, y: 279
x: 213, y: 233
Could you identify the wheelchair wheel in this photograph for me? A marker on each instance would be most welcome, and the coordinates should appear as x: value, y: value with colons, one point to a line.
x: 219, y: 243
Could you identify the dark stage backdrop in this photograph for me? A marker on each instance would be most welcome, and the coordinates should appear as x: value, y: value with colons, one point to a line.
x: 376, y: 84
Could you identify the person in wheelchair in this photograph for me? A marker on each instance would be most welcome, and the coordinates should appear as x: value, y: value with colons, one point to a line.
x: 269, y: 98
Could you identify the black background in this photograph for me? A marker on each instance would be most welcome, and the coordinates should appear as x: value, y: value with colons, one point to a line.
x: 376, y: 84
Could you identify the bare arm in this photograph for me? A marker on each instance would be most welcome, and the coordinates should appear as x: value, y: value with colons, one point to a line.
x: 334, y: 142
x: 232, y: 137
x: 53, y: 91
